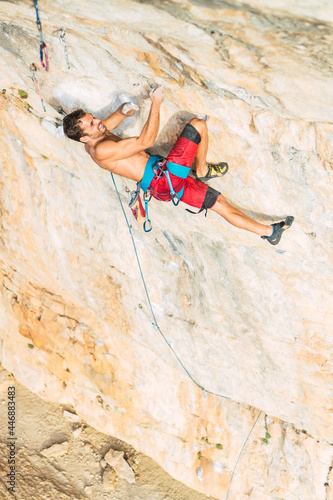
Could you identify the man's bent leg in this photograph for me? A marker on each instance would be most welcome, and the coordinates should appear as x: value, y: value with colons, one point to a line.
x: 205, y: 171
x: 201, y: 127
x: 238, y: 219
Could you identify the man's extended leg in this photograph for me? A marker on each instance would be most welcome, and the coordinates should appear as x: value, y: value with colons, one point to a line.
x: 222, y: 207
x: 234, y: 216
x: 238, y: 219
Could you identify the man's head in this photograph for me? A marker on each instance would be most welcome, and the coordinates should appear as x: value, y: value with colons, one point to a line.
x: 82, y: 127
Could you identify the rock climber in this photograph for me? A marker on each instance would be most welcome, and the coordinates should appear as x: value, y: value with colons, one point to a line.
x: 128, y: 158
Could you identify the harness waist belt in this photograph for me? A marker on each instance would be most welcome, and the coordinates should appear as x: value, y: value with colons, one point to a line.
x: 178, y: 170
x: 149, y: 172
x: 174, y: 169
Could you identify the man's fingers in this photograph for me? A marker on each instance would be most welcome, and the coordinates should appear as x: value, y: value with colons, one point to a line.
x: 129, y: 107
x: 157, y: 93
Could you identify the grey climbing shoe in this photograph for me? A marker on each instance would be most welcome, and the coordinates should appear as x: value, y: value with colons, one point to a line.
x: 278, y: 230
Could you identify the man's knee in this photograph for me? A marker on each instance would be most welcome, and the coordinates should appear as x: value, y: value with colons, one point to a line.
x: 221, y: 200
x: 199, y: 125
x: 221, y: 204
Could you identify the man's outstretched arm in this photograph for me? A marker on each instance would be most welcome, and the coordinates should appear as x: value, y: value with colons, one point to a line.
x: 129, y: 147
x: 116, y: 118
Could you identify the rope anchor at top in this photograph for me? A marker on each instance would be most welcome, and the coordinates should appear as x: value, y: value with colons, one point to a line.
x: 64, y: 44
x: 42, y: 48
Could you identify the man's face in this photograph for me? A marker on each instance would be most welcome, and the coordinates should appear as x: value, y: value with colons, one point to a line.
x: 92, y: 127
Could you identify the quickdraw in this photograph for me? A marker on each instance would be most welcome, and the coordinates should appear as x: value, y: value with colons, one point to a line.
x: 34, y: 78
x: 137, y: 209
x: 42, y: 48
x: 160, y: 169
x: 147, y: 225
x: 175, y: 197
x: 64, y: 44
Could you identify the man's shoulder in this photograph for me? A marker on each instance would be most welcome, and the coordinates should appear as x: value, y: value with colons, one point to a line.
x: 103, y: 147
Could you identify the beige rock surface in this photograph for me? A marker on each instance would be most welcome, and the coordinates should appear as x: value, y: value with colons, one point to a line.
x: 56, y: 450
x: 116, y: 460
x: 248, y: 321
x: 79, y: 473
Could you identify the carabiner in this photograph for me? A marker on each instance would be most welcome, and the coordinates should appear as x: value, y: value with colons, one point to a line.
x: 147, y: 196
x: 173, y: 194
x: 174, y: 197
x: 144, y: 226
x: 64, y: 44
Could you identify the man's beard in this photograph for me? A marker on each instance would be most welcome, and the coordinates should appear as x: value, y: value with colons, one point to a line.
x: 101, y: 131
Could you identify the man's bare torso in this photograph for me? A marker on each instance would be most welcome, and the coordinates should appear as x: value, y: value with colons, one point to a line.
x: 131, y: 168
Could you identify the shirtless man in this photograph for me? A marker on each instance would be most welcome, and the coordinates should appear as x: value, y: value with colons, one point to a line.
x: 128, y: 158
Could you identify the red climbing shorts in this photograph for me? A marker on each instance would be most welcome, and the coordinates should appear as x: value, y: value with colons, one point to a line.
x: 196, y: 193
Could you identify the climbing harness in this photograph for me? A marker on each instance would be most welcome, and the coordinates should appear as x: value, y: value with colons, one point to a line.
x: 144, y: 185
x: 156, y: 167
x: 42, y: 48
x: 34, y: 78
x: 64, y: 44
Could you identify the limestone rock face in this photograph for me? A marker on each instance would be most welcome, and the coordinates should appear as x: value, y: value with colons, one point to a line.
x: 249, y: 321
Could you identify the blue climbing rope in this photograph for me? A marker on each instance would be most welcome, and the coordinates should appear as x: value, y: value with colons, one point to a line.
x: 155, y: 324
x: 246, y: 440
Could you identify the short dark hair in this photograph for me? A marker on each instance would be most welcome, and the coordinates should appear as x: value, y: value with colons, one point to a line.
x: 71, y: 126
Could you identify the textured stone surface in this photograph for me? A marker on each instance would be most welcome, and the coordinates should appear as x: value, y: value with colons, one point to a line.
x: 56, y: 450
x: 249, y: 321
x: 116, y: 460
x: 71, y: 416
x: 79, y: 474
